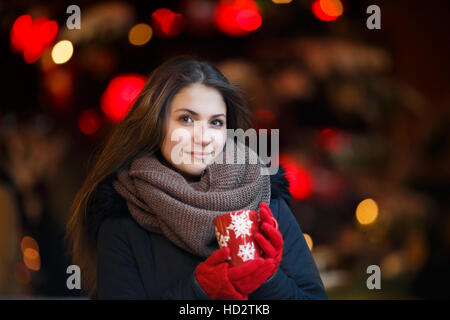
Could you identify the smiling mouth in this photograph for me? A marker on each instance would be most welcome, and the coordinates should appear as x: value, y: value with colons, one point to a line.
x: 199, y: 155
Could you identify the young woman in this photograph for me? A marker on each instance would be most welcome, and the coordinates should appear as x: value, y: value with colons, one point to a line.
x: 142, y: 223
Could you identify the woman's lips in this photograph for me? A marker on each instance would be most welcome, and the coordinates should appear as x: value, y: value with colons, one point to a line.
x: 199, y: 155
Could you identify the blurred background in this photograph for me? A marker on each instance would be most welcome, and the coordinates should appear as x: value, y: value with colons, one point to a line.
x: 363, y: 116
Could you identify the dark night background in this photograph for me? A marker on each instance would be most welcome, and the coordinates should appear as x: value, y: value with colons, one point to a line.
x: 363, y: 114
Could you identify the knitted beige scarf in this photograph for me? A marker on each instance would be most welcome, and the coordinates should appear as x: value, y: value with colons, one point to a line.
x: 161, y: 200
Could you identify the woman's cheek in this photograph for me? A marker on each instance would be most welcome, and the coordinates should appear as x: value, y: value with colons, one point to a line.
x: 217, y: 139
x: 180, y: 143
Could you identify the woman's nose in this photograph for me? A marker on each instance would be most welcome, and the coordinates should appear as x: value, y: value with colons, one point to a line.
x: 202, y: 136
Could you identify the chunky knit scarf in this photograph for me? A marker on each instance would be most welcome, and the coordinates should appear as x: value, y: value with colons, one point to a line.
x: 162, y: 200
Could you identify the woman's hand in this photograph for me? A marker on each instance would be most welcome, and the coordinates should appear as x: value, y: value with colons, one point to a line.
x: 271, y: 240
x: 213, y: 277
x: 250, y: 275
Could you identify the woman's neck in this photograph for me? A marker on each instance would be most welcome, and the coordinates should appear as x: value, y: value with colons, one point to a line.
x: 187, y: 176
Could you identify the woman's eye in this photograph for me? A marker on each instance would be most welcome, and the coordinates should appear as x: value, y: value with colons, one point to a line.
x: 188, y: 119
x: 185, y: 118
x: 218, y: 123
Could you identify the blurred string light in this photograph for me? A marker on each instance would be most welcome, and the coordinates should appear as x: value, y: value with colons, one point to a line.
x: 89, y: 121
x: 28, y: 242
x: 46, y: 61
x: 62, y: 51
x: 300, y: 181
x: 30, y: 251
x: 334, y: 140
x: 393, y: 264
x: 264, y: 117
x: 119, y: 95
x: 281, y: 1
x: 32, y: 259
x: 140, y: 34
x: 167, y: 23
x: 308, y: 240
x: 238, y: 17
x: 59, y: 84
x: 200, y: 14
x: 327, y: 10
x: 31, y: 37
x: 332, y: 8
x: 367, y: 211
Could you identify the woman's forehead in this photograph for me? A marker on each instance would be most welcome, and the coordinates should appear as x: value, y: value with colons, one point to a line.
x: 199, y: 100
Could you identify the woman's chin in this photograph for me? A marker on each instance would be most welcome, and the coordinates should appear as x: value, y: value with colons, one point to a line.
x: 192, y: 169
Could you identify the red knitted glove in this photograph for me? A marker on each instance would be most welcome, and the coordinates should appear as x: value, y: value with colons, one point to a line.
x: 250, y: 275
x: 212, y: 275
x: 272, y: 243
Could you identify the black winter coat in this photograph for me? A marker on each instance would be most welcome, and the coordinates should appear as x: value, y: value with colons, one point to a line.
x: 134, y: 263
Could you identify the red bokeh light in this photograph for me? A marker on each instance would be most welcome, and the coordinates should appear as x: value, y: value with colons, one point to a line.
x: 248, y: 20
x: 264, y: 119
x: 59, y: 84
x: 31, y: 37
x: 301, y: 183
x: 319, y: 12
x: 333, y: 140
x: 89, y: 122
x: 328, y: 140
x: 167, y: 23
x: 119, y: 95
x: 332, y: 8
x: 237, y: 17
x: 265, y: 115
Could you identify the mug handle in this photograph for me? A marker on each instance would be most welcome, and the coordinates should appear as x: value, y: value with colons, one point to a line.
x: 275, y: 223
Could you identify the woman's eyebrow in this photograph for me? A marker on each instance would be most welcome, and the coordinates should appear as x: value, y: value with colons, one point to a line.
x: 196, y: 114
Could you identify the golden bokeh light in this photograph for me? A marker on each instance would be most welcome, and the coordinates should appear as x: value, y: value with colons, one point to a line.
x: 332, y: 7
x: 367, y: 211
x: 28, y: 242
x: 281, y: 1
x: 32, y: 259
x: 62, y: 52
x: 140, y: 34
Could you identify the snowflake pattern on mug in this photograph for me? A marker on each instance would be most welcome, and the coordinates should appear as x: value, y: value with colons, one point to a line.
x: 246, y: 251
x: 223, y: 239
x: 217, y: 232
x: 241, y: 224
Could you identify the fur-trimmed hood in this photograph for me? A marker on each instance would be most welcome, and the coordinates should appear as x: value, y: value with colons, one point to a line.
x: 107, y: 202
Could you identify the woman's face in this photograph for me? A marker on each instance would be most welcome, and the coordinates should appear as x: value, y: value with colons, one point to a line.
x: 196, y: 130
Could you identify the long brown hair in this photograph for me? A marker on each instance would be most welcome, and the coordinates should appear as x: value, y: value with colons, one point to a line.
x: 143, y: 131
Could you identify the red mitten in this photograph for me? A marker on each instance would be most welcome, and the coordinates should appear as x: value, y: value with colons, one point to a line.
x: 248, y: 276
x: 212, y: 275
x: 271, y: 243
